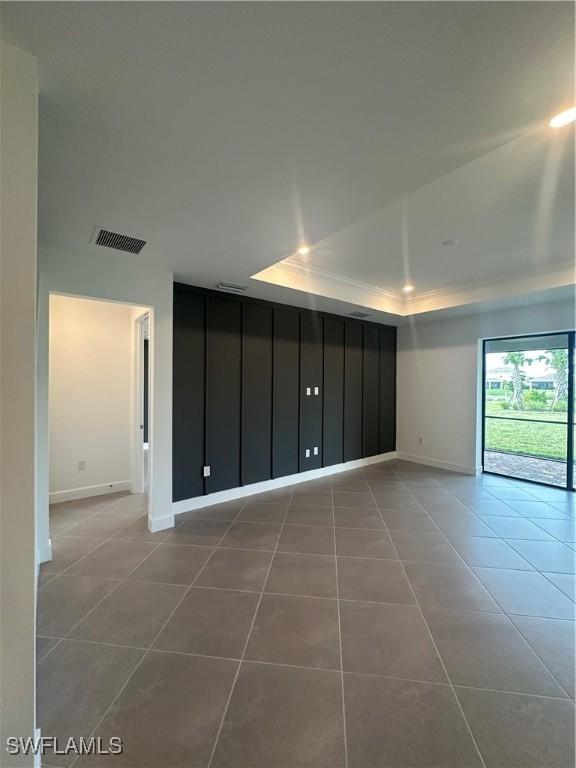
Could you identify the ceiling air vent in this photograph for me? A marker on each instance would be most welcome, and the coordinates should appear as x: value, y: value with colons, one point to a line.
x: 117, y: 241
x: 231, y: 287
x: 360, y: 315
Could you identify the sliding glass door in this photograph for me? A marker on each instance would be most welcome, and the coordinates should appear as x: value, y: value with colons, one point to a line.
x: 528, y: 414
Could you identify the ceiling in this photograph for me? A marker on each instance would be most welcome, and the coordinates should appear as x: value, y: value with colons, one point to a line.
x: 225, y: 134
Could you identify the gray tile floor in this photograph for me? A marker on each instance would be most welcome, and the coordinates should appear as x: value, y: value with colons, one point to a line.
x: 392, y: 616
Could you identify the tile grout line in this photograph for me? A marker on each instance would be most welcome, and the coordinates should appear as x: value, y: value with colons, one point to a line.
x: 344, y: 726
x: 438, y: 654
x: 245, y: 648
x: 443, y: 684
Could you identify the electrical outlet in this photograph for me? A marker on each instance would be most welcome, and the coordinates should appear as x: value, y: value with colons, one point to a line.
x: 316, y: 390
x: 307, y: 453
x: 206, y: 471
x: 82, y: 465
x: 308, y: 391
x: 315, y: 450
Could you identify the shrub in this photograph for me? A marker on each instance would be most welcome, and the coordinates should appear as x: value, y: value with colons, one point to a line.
x: 535, y: 400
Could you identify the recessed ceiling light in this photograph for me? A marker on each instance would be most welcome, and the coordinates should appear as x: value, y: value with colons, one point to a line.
x: 564, y: 118
x: 304, y: 249
x: 449, y: 242
x: 408, y: 288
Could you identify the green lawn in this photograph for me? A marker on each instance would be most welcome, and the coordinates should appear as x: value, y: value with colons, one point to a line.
x: 541, y: 440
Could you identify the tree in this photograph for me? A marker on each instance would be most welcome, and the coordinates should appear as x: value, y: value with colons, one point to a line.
x: 557, y: 359
x: 517, y: 360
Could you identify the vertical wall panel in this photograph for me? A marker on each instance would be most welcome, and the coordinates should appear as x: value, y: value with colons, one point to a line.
x: 371, y: 392
x: 286, y: 383
x: 311, y: 335
x: 333, y: 422
x: 188, y: 395
x: 257, y: 394
x: 223, y: 393
x: 387, y: 389
x: 352, y: 391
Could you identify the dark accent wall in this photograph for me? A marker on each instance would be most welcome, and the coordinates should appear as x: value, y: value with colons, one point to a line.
x: 242, y: 372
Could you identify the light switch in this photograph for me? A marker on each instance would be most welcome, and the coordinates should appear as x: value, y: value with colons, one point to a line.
x: 316, y: 390
x: 206, y: 471
x: 315, y: 450
x: 308, y: 391
x: 307, y: 453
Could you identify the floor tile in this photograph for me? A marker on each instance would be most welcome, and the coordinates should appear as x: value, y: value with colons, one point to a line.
x: 461, y: 524
x: 491, y: 553
x: 509, y: 493
x: 488, y: 507
x: 303, y: 514
x: 401, y: 724
x: 534, y: 509
x: 252, y: 536
x: 263, y: 512
x: 132, y: 614
x: 66, y: 550
x: 66, y: 600
x: 172, y: 564
x: 517, y: 528
x: 76, y: 683
x: 485, y: 650
x: 138, y: 531
x: 184, y: 697
x: 354, y: 499
x: 212, y: 622
x: 307, y: 539
x: 44, y: 645
x: 283, y: 717
x: 278, y: 496
x: 312, y: 498
x: 407, y: 520
x: 350, y: 517
x: 390, y: 640
x: 526, y: 593
x: 236, y: 569
x: 423, y: 547
x: 101, y: 526
x: 364, y: 543
x: 563, y: 530
x: 440, y: 585
x: 515, y: 731
x: 549, y: 556
x: 114, y: 559
x: 381, y: 581
x: 302, y: 631
x: 565, y: 582
x: 554, y: 641
x: 398, y: 502
x: 313, y: 575
x: 200, y: 533
x: 228, y: 511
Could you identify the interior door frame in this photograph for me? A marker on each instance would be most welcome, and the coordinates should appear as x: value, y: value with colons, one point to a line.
x: 138, y: 473
x: 571, y: 336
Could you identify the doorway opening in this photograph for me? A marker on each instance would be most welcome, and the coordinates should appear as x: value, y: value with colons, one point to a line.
x: 528, y: 408
x: 99, y: 394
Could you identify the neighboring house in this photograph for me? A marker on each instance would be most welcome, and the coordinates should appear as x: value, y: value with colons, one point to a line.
x: 545, y: 382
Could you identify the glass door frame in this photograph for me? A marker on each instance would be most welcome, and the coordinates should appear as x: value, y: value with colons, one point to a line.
x: 570, y: 478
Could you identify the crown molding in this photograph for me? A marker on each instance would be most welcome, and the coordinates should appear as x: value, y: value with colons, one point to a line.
x: 292, y: 273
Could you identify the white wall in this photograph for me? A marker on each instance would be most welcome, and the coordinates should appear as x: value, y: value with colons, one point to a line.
x: 18, y: 185
x: 92, y: 393
x: 439, y: 380
x: 123, y: 279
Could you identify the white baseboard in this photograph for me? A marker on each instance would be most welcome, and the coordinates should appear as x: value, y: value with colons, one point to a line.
x: 161, y: 523
x: 198, y: 502
x: 465, y: 469
x: 44, y: 553
x: 90, y: 490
